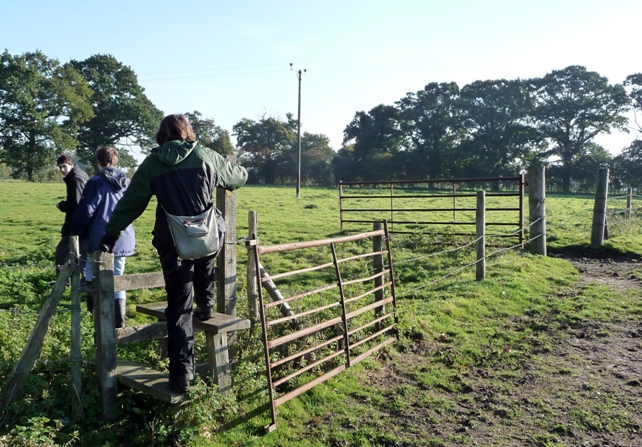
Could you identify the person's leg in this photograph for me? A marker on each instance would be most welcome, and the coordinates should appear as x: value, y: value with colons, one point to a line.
x: 119, y: 270
x: 178, y: 276
x: 62, y: 254
x: 89, y: 285
x: 120, y: 305
x: 205, y: 286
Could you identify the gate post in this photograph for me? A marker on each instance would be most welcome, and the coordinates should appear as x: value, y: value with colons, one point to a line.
x: 537, y: 208
x: 226, y: 262
x: 105, y: 334
x: 481, y: 235
x: 599, y: 210
x: 76, y: 356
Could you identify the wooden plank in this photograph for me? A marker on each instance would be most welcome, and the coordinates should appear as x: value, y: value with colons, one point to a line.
x: 143, y: 332
x: 147, y: 380
x: 139, y: 281
x: 218, y: 324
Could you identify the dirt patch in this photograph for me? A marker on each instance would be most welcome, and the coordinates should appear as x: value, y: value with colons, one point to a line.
x: 584, y: 388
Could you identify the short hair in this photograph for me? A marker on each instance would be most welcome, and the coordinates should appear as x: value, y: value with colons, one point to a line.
x: 107, y: 156
x: 174, y: 127
x: 65, y: 159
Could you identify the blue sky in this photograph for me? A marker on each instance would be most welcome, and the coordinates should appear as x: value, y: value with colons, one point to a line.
x: 230, y: 59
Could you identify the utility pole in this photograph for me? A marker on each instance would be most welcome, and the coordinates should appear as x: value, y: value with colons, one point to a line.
x: 298, y: 177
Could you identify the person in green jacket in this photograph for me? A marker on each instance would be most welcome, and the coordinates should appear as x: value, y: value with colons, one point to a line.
x: 182, y: 175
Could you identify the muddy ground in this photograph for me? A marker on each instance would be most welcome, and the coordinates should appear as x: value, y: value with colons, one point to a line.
x: 584, y: 388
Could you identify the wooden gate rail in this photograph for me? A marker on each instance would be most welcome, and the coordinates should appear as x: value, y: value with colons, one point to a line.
x: 335, y: 327
x: 391, y: 210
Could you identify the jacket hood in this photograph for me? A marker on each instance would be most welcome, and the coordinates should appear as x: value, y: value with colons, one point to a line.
x: 115, y: 177
x: 173, y: 152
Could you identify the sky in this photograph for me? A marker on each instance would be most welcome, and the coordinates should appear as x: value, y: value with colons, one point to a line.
x: 230, y: 60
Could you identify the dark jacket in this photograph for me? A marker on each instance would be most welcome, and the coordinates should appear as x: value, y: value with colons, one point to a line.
x: 182, y: 175
x: 102, y: 193
x: 75, y: 181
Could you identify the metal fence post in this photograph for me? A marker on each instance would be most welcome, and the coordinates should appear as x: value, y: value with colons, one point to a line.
x: 252, y: 284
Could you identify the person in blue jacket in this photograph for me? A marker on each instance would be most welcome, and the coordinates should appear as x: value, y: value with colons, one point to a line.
x: 100, y: 196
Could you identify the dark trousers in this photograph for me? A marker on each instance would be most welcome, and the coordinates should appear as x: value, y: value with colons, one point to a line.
x: 186, y: 282
x: 62, y: 255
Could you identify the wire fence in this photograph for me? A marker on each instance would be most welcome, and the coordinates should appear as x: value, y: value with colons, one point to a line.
x: 402, y: 293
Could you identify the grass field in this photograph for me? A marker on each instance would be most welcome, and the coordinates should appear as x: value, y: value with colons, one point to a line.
x: 464, y: 347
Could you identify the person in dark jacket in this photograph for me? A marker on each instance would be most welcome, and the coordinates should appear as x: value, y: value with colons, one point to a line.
x: 102, y: 193
x: 182, y: 175
x: 75, y: 179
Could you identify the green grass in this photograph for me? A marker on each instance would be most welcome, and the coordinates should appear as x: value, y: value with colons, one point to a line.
x: 499, y: 322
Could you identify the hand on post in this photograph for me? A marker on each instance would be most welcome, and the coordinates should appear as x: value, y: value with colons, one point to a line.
x: 107, y: 243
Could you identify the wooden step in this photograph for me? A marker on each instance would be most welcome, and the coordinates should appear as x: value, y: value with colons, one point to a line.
x: 218, y: 324
x: 147, y: 380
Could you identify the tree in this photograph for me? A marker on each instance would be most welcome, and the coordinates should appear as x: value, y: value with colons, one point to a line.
x: 574, y: 105
x: 316, y: 159
x: 496, y: 135
x: 431, y: 124
x: 263, y: 147
x: 634, y: 81
x: 123, y: 115
x: 344, y: 165
x: 376, y: 141
x: 42, y: 105
x: 209, y: 134
x: 627, y: 167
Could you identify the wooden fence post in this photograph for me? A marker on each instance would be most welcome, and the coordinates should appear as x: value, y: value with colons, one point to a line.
x: 226, y: 262
x: 537, y: 208
x: 252, y: 292
x: 226, y: 275
x: 480, y: 220
x: 629, y: 203
x: 599, y: 210
x: 105, y: 334
x: 76, y: 357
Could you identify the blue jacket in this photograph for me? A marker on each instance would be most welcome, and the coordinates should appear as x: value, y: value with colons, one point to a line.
x: 102, y: 193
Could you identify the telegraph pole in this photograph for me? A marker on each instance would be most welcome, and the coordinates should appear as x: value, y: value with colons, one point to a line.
x: 298, y: 177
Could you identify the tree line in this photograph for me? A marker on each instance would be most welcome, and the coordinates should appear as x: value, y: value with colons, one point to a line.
x: 486, y: 128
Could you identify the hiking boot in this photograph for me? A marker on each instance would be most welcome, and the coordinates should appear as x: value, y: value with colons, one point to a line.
x: 120, y: 310
x: 203, y: 313
x: 179, y: 384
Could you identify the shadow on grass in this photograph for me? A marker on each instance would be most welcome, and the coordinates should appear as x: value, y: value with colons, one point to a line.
x: 586, y: 251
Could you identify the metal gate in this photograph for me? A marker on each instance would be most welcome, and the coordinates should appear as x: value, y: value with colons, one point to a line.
x: 314, y: 334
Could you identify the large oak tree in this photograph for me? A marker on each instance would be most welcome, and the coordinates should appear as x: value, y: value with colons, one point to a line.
x: 42, y: 105
x: 573, y: 106
x: 123, y: 115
